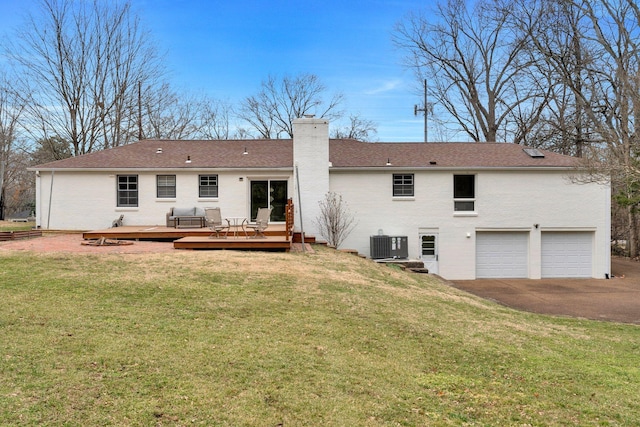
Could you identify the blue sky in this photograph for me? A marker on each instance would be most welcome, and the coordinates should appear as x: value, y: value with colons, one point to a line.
x: 226, y: 48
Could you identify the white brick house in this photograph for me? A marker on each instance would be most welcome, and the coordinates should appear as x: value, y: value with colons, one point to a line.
x: 469, y: 210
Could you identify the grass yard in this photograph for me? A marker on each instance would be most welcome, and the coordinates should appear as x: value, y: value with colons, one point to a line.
x: 223, y: 338
x: 16, y: 226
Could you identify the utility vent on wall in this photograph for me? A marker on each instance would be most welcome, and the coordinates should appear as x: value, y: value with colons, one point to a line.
x: 389, y: 247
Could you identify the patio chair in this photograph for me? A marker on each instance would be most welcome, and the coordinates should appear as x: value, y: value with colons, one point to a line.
x: 213, y: 218
x: 262, y: 222
x: 117, y: 222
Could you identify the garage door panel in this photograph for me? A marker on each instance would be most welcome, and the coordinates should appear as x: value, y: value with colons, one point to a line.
x: 567, y: 254
x: 502, y: 255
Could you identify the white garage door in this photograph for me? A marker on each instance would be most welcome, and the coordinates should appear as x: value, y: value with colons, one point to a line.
x: 502, y: 254
x: 567, y: 254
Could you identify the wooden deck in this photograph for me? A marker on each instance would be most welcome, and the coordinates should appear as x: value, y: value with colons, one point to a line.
x: 276, y: 237
x: 198, y: 238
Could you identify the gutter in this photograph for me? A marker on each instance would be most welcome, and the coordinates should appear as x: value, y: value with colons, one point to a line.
x: 166, y: 169
x: 450, y: 168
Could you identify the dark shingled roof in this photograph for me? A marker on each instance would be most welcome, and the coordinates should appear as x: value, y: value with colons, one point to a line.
x: 349, y: 153
x: 279, y: 154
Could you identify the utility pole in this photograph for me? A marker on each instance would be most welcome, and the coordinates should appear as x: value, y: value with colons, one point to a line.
x: 140, y: 111
x: 426, y: 108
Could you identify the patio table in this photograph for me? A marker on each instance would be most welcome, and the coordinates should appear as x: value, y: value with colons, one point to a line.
x: 193, y: 221
x: 237, y: 223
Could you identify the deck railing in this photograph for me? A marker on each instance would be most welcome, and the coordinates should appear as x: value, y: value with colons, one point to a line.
x: 289, y: 219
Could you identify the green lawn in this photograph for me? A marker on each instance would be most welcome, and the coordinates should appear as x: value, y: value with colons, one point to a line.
x: 16, y: 226
x: 257, y: 339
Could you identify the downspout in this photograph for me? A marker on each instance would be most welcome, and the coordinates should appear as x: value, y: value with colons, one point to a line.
x: 304, y: 249
x: 53, y: 172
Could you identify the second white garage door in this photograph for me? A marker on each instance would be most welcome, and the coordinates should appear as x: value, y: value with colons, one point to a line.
x: 567, y: 254
x: 502, y: 254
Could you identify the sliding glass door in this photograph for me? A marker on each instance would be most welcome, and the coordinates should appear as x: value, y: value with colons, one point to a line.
x: 269, y: 193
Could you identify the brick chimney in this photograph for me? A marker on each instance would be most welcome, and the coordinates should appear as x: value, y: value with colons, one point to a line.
x: 311, y: 164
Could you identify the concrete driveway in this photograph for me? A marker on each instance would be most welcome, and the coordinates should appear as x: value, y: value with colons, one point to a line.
x: 616, y: 299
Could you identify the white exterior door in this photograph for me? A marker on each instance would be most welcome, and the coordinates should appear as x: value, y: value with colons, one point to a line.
x: 429, y: 251
x: 567, y: 254
x: 502, y: 254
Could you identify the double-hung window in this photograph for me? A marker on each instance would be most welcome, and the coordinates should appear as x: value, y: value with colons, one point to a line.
x: 464, y: 193
x: 127, y: 190
x: 166, y: 186
x: 208, y: 186
x: 403, y: 185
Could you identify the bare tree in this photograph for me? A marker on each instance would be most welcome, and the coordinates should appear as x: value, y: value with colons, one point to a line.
x: 173, y: 115
x: 478, y: 68
x: 616, y: 29
x: 272, y: 110
x: 566, y: 64
x: 358, y: 128
x: 19, y: 189
x: 215, y: 119
x: 10, y: 111
x: 335, y: 222
x: 81, y: 64
x: 49, y: 150
x: 592, y: 51
x: 168, y: 115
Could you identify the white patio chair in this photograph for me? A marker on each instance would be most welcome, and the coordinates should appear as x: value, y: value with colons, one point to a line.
x: 213, y: 218
x: 262, y: 222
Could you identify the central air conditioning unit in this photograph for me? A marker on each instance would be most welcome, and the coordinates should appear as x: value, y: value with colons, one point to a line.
x: 380, y: 247
x: 388, y: 247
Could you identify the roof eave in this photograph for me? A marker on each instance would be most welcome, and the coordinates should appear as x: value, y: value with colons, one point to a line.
x: 167, y: 169
x: 449, y: 168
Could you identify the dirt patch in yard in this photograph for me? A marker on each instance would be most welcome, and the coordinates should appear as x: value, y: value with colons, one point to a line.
x: 72, y: 243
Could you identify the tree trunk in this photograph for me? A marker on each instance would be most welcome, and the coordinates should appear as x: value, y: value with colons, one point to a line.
x: 632, y: 240
x: 2, y: 204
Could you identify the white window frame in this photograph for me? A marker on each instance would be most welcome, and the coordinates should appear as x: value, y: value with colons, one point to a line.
x: 164, y: 186
x: 403, y: 185
x: 201, y: 187
x: 458, y: 201
x: 120, y: 192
